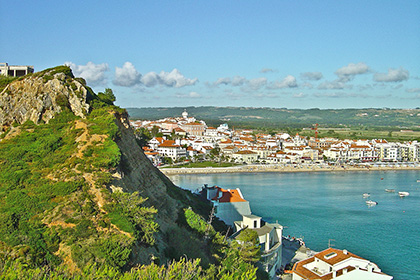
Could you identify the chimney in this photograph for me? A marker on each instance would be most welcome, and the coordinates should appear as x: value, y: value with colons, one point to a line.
x: 334, y: 272
x: 345, y: 252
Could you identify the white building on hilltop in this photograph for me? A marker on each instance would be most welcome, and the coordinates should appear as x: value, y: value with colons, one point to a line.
x: 337, y: 264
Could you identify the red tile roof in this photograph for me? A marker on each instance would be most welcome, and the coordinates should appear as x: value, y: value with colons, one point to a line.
x: 228, y: 196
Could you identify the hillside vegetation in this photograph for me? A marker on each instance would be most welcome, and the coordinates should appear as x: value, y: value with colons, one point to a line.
x: 80, y: 200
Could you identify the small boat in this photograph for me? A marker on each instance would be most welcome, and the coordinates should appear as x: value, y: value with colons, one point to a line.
x: 371, y: 202
x: 403, y: 194
x: 389, y: 190
x: 418, y: 180
x: 365, y: 195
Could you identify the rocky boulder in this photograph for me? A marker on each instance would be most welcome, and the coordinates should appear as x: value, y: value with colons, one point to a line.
x: 40, y: 96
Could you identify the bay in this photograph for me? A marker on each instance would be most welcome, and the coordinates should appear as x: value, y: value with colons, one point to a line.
x: 328, y: 207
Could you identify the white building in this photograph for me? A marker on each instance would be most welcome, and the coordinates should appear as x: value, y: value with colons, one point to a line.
x: 337, y: 264
x: 229, y: 205
x: 15, y: 70
x: 170, y: 149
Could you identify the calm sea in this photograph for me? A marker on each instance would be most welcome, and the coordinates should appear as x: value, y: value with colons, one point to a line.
x: 329, y: 207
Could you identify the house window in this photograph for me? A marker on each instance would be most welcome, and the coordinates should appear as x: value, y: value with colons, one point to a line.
x: 255, y: 224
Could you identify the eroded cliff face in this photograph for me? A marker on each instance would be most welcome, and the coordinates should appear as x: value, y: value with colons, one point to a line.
x: 137, y: 173
x: 38, y: 97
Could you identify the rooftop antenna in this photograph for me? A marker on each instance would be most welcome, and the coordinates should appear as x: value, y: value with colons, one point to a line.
x: 330, y: 245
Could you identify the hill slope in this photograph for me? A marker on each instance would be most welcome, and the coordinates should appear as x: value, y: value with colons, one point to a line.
x: 78, y: 196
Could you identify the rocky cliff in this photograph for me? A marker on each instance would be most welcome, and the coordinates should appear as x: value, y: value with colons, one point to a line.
x: 40, y: 96
x: 75, y: 180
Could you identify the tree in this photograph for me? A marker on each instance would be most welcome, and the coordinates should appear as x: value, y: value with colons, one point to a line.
x: 143, y: 136
x: 248, y: 245
x: 108, y: 96
x: 155, y: 131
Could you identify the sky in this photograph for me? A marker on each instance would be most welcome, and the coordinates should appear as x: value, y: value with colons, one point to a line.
x: 280, y: 54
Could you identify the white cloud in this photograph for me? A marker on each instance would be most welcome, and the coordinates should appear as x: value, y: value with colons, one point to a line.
x: 288, y: 82
x: 127, y: 76
x: 299, y: 95
x: 267, y: 70
x: 337, y: 84
x: 352, y: 69
x: 235, y: 81
x: 411, y: 90
x: 307, y: 85
x: 393, y: 75
x: 94, y: 74
x: 194, y: 94
x: 175, y: 79
x: 150, y: 79
x: 312, y: 76
x: 222, y: 81
x: 257, y: 83
x: 238, y: 81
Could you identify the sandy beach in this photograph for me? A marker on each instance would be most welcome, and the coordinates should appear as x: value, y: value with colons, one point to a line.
x: 283, y: 168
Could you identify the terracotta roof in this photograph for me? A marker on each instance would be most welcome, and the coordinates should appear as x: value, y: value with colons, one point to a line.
x: 302, y: 271
x: 192, y: 124
x: 169, y: 143
x: 245, y: 152
x: 228, y: 196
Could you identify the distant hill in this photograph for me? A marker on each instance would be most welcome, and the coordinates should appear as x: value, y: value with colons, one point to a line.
x: 274, y: 118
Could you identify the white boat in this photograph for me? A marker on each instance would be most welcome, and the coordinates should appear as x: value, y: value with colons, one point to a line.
x: 403, y: 194
x: 365, y: 195
x: 389, y: 190
x: 371, y: 202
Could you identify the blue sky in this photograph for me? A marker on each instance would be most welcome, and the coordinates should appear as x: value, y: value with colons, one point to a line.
x: 294, y: 54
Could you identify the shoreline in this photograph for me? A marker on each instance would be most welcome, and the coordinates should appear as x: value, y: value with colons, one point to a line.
x: 279, y: 169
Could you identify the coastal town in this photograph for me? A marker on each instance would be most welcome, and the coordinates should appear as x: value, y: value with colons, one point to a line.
x: 186, y: 139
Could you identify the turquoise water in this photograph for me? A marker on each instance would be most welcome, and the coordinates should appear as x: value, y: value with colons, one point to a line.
x: 320, y: 206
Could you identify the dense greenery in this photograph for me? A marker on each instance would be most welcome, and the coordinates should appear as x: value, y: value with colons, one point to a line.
x: 59, y: 220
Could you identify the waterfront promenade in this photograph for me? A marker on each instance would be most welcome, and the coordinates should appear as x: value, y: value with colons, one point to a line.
x: 291, y: 168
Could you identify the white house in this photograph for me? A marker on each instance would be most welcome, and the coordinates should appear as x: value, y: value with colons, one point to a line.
x: 337, y: 264
x: 245, y: 156
x: 229, y: 205
x: 170, y: 149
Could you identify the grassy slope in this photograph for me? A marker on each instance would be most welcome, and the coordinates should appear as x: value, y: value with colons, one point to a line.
x: 59, y: 218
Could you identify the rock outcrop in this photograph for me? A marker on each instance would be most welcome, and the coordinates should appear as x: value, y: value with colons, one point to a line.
x: 39, y: 97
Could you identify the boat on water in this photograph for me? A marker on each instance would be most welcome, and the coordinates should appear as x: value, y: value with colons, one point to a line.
x: 371, y: 202
x: 403, y: 194
x: 365, y: 195
x: 390, y: 190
